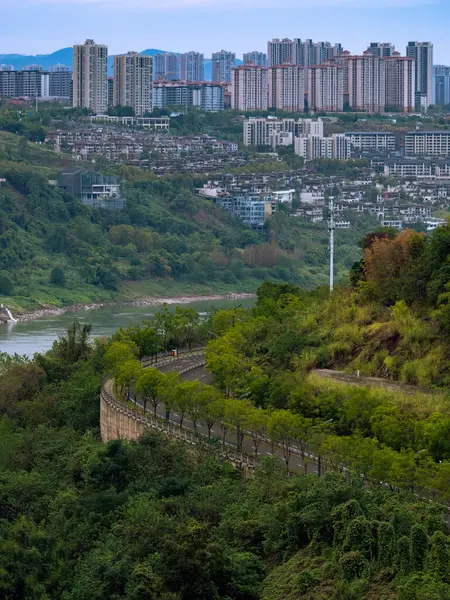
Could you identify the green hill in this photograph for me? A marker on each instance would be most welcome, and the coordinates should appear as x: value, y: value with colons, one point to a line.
x: 57, y: 251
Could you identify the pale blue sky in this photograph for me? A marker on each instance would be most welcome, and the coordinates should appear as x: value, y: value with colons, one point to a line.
x: 42, y: 26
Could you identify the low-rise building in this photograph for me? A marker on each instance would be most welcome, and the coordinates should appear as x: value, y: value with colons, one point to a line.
x: 93, y: 189
x: 253, y: 210
x: 375, y: 141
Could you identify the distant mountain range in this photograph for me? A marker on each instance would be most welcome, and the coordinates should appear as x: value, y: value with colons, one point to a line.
x: 65, y: 57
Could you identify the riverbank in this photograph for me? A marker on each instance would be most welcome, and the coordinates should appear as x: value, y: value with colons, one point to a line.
x: 146, y: 301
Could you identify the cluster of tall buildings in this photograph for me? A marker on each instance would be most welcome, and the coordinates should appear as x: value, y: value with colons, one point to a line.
x: 294, y: 75
x: 321, y: 77
x: 33, y: 82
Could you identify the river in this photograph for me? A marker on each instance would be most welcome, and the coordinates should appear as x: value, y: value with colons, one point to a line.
x: 29, y: 337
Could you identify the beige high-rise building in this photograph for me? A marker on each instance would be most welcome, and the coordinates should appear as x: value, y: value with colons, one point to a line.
x: 400, y: 83
x: 287, y: 87
x: 365, y: 82
x: 249, y: 88
x: 133, y: 75
x: 90, y: 76
x: 326, y: 88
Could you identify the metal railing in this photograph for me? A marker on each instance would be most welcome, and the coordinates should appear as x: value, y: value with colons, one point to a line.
x: 173, y: 430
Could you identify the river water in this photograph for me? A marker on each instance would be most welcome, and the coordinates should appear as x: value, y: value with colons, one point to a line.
x: 38, y: 336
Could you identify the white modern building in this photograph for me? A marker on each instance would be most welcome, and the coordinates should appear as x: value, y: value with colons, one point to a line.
x: 312, y: 147
x: 261, y: 131
x: 90, y: 76
x: 427, y: 143
x: 376, y: 141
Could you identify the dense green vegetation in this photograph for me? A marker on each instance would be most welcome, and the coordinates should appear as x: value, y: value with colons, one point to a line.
x: 152, y: 520
x: 55, y: 250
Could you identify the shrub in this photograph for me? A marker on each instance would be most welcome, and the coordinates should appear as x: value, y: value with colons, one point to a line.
x: 57, y: 276
x: 418, y: 547
x: 353, y: 565
x: 6, y: 285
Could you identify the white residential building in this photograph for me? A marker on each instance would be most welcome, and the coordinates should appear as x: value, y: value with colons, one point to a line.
x: 427, y: 143
x: 379, y: 141
x: 312, y: 147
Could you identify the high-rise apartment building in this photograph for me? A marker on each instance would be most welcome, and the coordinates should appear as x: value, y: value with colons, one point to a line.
x: 287, y: 87
x: 365, y: 82
x: 204, y: 95
x: 381, y: 49
x: 61, y: 82
x: 255, y: 57
x: 90, y: 76
x: 192, y: 66
x: 283, y: 51
x: 59, y: 68
x: 326, y: 88
x: 249, y: 88
x: 26, y: 84
x: 422, y: 53
x: 167, y: 66
x: 222, y: 66
x: 313, y: 146
x: 133, y: 80
x: 441, y: 85
x: 400, y: 83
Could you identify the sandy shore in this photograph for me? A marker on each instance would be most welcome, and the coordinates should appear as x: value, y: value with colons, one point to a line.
x: 147, y: 301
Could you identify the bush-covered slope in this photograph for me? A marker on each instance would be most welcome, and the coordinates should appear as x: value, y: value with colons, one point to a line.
x: 55, y: 250
x: 82, y: 520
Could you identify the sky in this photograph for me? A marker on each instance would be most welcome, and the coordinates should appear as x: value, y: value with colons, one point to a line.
x: 43, y: 26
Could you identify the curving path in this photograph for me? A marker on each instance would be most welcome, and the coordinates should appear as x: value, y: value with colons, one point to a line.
x: 183, y: 363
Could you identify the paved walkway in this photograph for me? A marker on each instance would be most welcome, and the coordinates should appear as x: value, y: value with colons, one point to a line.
x: 296, y: 463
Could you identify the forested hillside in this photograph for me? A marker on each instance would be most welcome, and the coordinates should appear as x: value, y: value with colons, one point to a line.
x: 80, y: 520
x: 55, y: 250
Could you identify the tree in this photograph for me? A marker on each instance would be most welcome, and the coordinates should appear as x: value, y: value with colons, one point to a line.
x: 418, y: 547
x: 117, y: 354
x: 209, y: 406
x: 6, y: 285
x: 148, y: 385
x: 75, y: 345
x: 129, y: 372
x: 257, y: 422
x: 57, y: 276
x: 236, y: 417
x: 168, y: 390
x: 284, y: 427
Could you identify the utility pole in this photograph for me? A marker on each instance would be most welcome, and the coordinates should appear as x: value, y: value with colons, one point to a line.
x: 331, y: 228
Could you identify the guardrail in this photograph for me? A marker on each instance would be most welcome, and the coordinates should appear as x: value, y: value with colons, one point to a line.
x: 168, y: 357
x: 238, y: 459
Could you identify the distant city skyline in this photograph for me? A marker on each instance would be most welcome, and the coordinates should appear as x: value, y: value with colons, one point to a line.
x: 28, y: 26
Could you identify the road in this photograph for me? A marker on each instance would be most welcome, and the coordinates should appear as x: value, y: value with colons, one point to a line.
x: 296, y: 463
